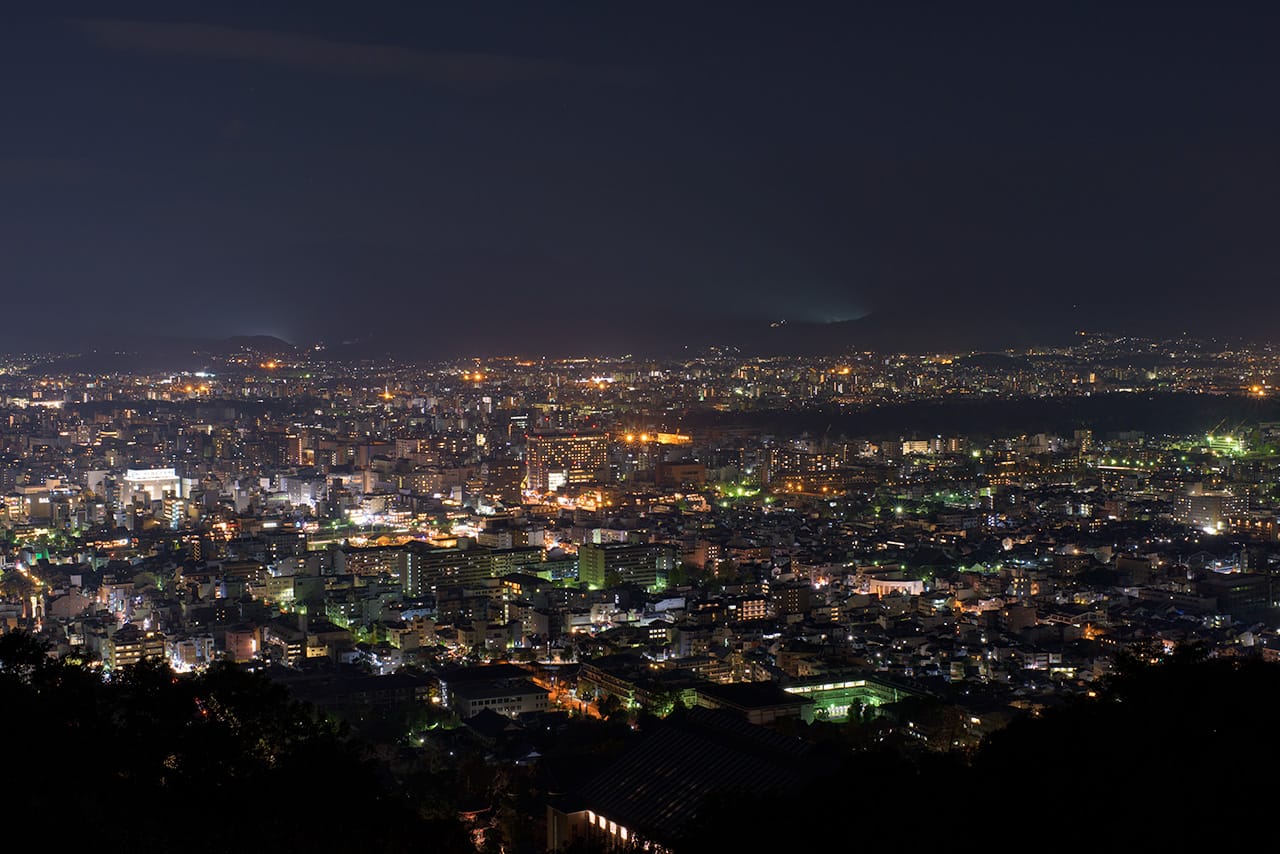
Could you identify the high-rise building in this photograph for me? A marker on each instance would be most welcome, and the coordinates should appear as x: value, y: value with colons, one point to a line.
x: 297, y: 449
x: 555, y: 460
x: 782, y: 463
x: 502, y: 479
x: 607, y: 564
x: 426, y: 568
x: 1209, y: 509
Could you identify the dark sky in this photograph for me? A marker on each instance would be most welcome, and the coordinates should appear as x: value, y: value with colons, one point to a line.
x: 512, y: 177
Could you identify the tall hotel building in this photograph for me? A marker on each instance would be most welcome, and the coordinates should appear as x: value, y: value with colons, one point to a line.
x: 555, y: 460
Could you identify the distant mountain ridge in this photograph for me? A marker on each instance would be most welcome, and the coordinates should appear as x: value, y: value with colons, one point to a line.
x: 169, y: 353
x: 906, y: 329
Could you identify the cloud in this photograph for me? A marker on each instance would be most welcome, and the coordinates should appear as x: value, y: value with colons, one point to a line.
x: 464, y: 71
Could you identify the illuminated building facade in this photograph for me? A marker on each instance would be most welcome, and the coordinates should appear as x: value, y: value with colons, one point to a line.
x: 784, y: 462
x: 375, y: 561
x: 510, y: 697
x: 427, y: 568
x: 1225, y: 445
x: 834, y: 698
x: 130, y: 645
x: 555, y: 460
x: 242, y: 643
x: 606, y: 564
x: 1209, y: 509
x: 794, y: 598
x: 151, y: 483
x: 788, y: 470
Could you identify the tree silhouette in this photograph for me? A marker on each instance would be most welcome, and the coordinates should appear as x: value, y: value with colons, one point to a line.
x: 209, y: 759
x: 1166, y: 756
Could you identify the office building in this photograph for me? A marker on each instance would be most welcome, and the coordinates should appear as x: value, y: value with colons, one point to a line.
x: 556, y: 460
x: 607, y: 564
x: 1209, y: 509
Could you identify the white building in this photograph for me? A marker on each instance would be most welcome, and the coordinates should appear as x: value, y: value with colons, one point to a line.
x: 153, y: 483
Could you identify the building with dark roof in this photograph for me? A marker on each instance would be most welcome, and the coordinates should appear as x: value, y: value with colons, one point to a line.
x: 502, y: 688
x: 649, y: 797
x: 758, y: 702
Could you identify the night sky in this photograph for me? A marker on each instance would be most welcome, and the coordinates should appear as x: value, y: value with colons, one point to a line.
x: 603, y: 177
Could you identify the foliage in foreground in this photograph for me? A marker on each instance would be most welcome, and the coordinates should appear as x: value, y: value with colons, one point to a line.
x: 1176, y: 755
x: 218, y: 761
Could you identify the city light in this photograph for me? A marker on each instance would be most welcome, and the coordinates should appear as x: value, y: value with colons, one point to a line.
x: 658, y: 428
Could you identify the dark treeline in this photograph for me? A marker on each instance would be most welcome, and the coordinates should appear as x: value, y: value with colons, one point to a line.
x: 1167, y: 755
x: 1170, y: 757
x: 215, y: 762
x: 1173, y: 413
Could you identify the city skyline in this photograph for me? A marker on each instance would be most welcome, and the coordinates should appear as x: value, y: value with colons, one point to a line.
x: 559, y: 427
x: 517, y: 591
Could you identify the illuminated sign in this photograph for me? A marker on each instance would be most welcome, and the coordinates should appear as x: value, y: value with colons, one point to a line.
x: 141, y: 475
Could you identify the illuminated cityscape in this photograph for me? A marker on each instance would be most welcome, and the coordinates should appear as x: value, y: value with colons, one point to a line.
x: 766, y: 539
x: 511, y: 428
